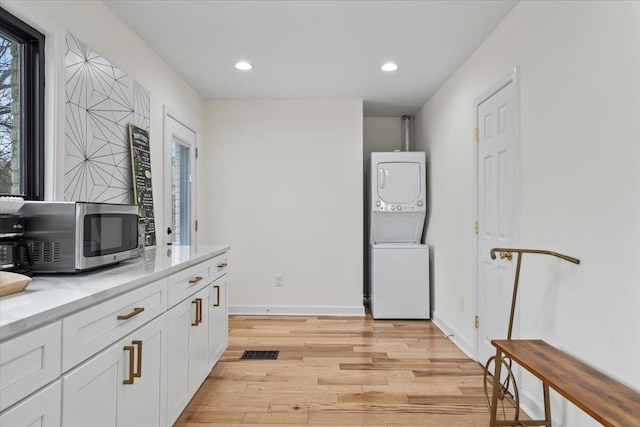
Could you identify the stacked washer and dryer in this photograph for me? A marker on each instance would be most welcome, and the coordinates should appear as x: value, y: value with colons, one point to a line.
x: 398, y: 262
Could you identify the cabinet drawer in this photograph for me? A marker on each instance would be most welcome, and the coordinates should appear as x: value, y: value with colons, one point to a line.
x: 89, y: 331
x: 41, y: 409
x: 28, y: 362
x: 221, y: 263
x: 186, y: 282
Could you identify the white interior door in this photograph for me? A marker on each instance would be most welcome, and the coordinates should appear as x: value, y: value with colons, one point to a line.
x: 179, y: 181
x: 497, y: 212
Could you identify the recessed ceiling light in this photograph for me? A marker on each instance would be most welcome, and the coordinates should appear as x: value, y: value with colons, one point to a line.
x: 243, y: 65
x: 389, y: 66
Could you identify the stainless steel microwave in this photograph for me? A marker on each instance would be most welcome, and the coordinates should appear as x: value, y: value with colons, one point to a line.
x: 69, y: 237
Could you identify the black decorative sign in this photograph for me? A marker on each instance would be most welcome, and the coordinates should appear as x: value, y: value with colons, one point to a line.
x: 142, y: 188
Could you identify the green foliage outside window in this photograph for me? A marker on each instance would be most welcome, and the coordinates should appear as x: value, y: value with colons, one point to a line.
x: 9, y: 117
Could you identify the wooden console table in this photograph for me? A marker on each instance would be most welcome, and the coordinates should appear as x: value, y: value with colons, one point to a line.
x: 603, y: 398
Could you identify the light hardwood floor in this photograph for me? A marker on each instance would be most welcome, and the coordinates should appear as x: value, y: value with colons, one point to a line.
x: 340, y: 371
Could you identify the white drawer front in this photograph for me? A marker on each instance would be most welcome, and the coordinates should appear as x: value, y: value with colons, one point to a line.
x: 87, y: 332
x: 221, y: 263
x: 186, y: 282
x: 28, y: 362
x: 42, y: 409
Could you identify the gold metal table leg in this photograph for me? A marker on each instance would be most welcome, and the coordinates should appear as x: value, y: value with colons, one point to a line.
x: 547, y: 405
x: 496, y: 388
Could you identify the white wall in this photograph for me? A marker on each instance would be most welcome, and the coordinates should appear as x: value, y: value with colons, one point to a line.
x: 94, y: 24
x: 579, y: 68
x: 283, y: 186
x: 381, y: 134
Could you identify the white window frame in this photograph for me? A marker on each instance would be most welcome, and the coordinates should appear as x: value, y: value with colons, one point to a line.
x: 174, y: 127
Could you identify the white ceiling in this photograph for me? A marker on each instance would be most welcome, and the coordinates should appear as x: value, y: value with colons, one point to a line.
x: 315, y: 49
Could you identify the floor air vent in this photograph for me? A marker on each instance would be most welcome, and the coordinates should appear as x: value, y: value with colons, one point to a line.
x: 260, y: 355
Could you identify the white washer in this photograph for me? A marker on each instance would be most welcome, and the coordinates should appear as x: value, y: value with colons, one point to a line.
x: 397, y: 197
x: 399, y: 274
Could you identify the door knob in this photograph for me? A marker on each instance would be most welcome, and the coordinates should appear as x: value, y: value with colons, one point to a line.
x: 507, y: 255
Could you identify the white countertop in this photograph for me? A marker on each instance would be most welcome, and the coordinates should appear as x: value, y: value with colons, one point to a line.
x: 51, y: 297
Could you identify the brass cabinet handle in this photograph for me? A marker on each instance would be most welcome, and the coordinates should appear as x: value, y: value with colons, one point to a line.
x: 131, y: 350
x: 217, y: 304
x: 222, y: 265
x: 199, y: 300
x: 196, y: 302
x: 195, y: 280
x: 139, y: 364
x: 507, y: 255
x: 135, y: 312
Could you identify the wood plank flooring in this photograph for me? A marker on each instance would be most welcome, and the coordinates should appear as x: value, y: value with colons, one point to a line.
x: 338, y: 371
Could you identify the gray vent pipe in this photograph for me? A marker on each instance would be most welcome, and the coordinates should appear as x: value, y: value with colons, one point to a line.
x: 407, y: 140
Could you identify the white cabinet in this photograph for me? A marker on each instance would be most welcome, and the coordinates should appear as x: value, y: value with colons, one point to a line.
x: 199, y: 339
x: 122, y: 385
x: 41, y: 409
x: 28, y: 362
x: 178, y: 390
x: 197, y: 331
x: 218, y: 320
x: 218, y: 311
x: 132, y: 360
x: 188, y: 363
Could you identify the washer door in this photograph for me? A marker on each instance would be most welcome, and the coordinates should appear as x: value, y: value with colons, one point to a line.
x: 399, y: 182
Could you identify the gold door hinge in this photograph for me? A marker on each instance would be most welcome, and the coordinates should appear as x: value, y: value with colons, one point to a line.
x: 477, y: 135
x: 477, y: 228
x: 477, y: 322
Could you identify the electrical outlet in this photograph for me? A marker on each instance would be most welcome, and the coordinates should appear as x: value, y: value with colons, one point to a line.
x: 279, y: 280
x: 462, y: 304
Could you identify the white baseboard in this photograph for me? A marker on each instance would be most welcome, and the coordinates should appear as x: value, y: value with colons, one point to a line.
x: 535, y: 409
x: 531, y: 406
x: 457, y: 339
x: 290, y: 310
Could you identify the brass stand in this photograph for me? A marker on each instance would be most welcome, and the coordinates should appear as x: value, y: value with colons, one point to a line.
x: 500, y: 389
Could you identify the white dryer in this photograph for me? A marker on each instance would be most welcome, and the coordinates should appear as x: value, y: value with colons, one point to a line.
x: 398, y: 197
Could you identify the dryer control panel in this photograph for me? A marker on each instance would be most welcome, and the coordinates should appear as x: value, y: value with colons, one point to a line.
x: 381, y: 206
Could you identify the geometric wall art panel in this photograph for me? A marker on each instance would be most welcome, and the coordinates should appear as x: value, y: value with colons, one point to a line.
x: 100, y: 102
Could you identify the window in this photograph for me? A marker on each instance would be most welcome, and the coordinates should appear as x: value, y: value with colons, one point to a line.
x: 180, y: 192
x: 21, y: 108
